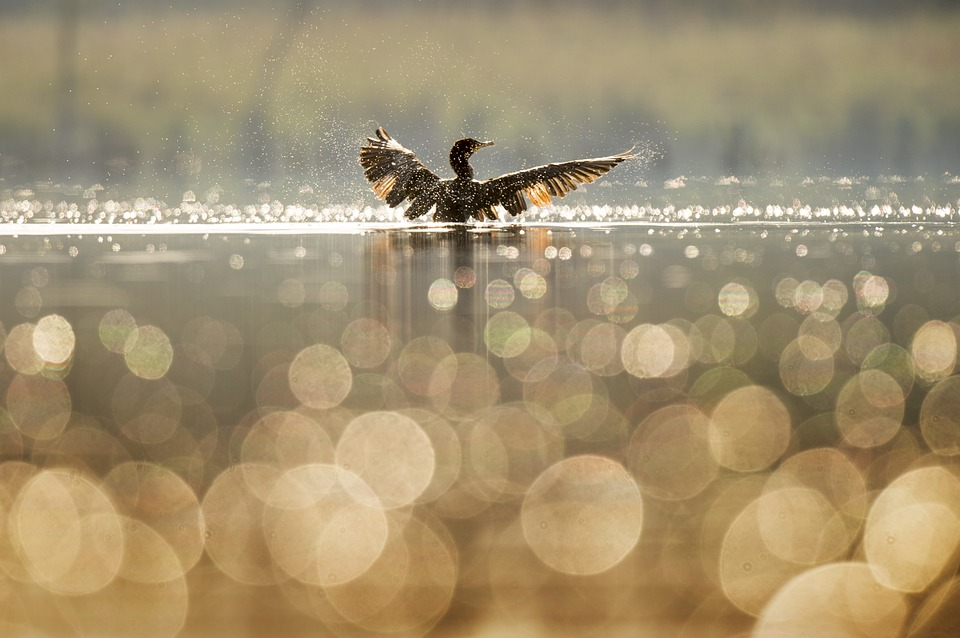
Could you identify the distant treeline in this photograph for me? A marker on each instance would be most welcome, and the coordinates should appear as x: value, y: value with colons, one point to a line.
x: 656, y: 8
x: 199, y: 94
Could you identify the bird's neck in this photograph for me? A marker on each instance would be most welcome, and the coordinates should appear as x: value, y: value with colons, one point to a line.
x: 461, y: 165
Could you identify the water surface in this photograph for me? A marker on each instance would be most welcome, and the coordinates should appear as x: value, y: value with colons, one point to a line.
x: 673, y: 420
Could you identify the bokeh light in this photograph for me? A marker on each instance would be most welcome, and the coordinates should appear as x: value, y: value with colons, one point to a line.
x: 934, y: 350
x: 291, y: 293
x: 116, y: 326
x: 583, y: 515
x: 38, y: 406
x: 737, y: 300
x: 807, y: 297
x: 940, y: 417
x: 28, y: 301
x: 749, y: 429
x: 148, y: 352
x: 559, y: 433
x: 560, y: 396
x: 749, y: 571
x: 320, y: 376
x: 871, y: 291
x: 870, y: 408
x: 536, y: 360
x: 212, y: 341
x: 718, y: 339
x: 839, y: 598
x: 53, y: 340
x: 806, y: 366
x: 895, y: 361
x: 233, y: 512
x: 164, y: 528
x: 19, y: 351
x: 334, y: 296
x: 390, y: 453
x: 147, y: 411
x: 323, y: 524
x: 912, y: 532
x: 67, y: 533
x: 465, y: 277
x: 463, y: 384
x: 507, y: 334
x: 283, y: 440
x: 504, y: 450
x: 499, y: 294
x: 443, y: 294
x: 600, y: 349
x: 406, y: 590
x: 832, y: 474
x: 365, y: 343
x: 648, y: 351
x: 863, y: 334
x: 420, y: 359
x: 670, y: 455
x: 530, y: 283
x: 800, y: 525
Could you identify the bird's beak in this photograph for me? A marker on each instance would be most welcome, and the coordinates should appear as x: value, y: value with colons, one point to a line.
x: 482, y: 144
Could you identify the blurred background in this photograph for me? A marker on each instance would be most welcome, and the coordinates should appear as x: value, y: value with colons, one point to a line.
x: 162, y: 97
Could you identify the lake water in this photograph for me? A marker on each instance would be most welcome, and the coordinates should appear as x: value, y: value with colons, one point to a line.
x: 635, y: 420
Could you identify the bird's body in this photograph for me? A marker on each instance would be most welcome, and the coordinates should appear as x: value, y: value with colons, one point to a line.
x: 397, y: 174
x: 454, y: 197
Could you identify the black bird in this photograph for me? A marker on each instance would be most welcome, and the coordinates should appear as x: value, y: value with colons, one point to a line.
x: 397, y: 175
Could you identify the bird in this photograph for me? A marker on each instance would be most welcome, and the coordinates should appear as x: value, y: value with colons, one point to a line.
x: 397, y: 175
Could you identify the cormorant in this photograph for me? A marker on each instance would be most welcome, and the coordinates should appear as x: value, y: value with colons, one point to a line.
x: 397, y: 174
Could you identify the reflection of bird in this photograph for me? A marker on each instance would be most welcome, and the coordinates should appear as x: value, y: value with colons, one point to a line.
x: 397, y: 174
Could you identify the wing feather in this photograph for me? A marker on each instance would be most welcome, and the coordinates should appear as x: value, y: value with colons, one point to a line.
x: 395, y: 172
x: 541, y: 183
x: 420, y: 206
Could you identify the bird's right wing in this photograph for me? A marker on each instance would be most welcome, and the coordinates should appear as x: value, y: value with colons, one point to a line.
x: 542, y: 182
x: 395, y: 171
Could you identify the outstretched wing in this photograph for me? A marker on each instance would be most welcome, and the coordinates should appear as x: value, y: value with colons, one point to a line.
x: 542, y: 182
x: 395, y: 171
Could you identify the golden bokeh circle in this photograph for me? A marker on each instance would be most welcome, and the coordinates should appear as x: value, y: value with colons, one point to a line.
x: 583, y: 515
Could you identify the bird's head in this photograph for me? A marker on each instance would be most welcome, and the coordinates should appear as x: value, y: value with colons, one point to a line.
x: 467, y: 146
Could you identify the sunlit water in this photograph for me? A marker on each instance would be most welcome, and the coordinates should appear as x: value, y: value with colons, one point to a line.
x: 697, y: 200
x: 651, y: 419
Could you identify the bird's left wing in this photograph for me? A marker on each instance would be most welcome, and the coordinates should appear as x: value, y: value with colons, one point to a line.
x: 395, y: 171
x: 542, y: 182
